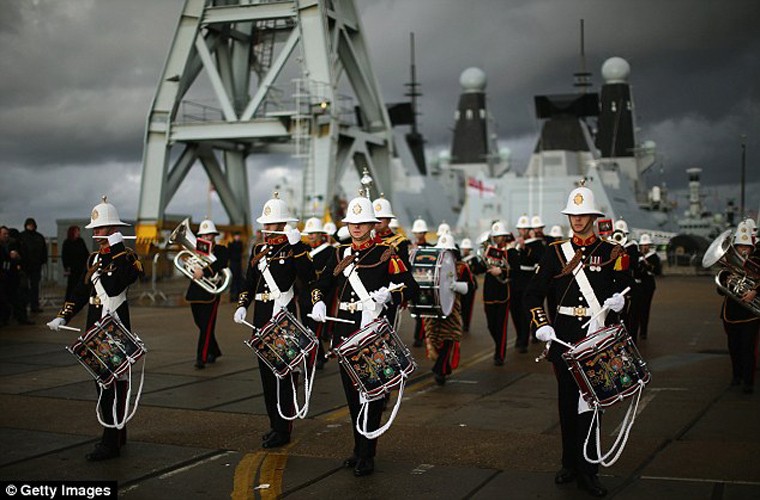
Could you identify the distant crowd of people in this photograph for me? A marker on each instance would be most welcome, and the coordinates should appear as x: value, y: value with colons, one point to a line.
x: 22, y: 257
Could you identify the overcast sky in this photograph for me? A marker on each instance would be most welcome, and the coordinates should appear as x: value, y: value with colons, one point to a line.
x: 79, y: 77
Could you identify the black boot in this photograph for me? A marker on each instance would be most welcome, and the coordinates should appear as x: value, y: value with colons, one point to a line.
x: 364, y: 467
x: 591, y: 485
x: 564, y: 476
x: 102, y: 452
x: 276, y: 440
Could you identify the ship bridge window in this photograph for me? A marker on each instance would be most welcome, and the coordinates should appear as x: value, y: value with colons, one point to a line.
x: 468, y: 114
x: 482, y: 114
x: 456, y: 115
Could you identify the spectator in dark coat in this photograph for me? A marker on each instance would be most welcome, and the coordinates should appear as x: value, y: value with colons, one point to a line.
x: 74, y: 256
x: 33, y: 257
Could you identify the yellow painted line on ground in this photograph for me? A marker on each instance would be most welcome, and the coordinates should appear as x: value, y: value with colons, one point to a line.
x: 271, y: 473
x: 260, y: 468
x: 245, y: 474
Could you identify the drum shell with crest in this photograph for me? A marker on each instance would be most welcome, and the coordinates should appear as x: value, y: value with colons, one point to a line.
x: 282, y: 343
x: 376, y: 359
x: 607, y: 366
x: 434, y: 270
x: 107, y: 350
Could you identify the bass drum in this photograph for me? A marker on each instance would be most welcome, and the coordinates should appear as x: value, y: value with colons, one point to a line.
x: 434, y: 270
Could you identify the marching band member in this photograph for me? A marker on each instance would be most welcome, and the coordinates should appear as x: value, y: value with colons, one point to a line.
x: 555, y: 233
x: 443, y: 335
x: 104, y: 285
x: 419, y: 230
x: 320, y: 254
x: 740, y: 324
x: 269, y: 284
x: 496, y: 290
x: 649, y: 267
x: 362, y: 273
x: 631, y: 316
x: 583, y: 273
x: 526, y: 257
x: 400, y: 244
x: 468, y: 300
x: 203, y: 304
x: 330, y: 230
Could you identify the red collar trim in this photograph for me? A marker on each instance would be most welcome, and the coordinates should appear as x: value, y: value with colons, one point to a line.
x: 104, y: 250
x: 316, y: 244
x: 388, y: 232
x: 577, y: 240
x: 363, y: 246
x: 277, y: 239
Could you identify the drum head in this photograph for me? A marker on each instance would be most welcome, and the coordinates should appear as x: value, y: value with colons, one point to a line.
x: 447, y: 277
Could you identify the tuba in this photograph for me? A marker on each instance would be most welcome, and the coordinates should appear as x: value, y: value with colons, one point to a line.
x: 734, y: 279
x: 190, y: 258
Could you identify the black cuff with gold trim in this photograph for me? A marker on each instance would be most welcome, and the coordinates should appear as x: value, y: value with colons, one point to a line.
x: 316, y: 296
x: 243, y: 299
x: 538, y: 317
x: 67, y: 311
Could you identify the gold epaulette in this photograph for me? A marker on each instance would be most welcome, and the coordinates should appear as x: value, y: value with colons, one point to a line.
x: 558, y: 242
x: 395, y: 240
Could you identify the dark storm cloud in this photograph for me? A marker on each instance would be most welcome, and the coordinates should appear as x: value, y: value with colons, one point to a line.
x: 79, y: 77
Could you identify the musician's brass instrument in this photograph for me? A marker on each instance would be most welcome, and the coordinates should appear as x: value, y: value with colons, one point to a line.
x: 190, y: 258
x: 734, y: 279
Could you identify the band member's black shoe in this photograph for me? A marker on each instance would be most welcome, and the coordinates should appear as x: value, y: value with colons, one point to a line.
x: 523, y: 349
x: 212, y: 358
x: 102, y: 452
x: 440, y: 379
x: 364, y: 467
x: 564, y: 476
x: 276, y: 440
x: 267, y: 434
x: 498, y: 362
x: 591, y: 485
x: 200, y: 365
x: 350, y: 462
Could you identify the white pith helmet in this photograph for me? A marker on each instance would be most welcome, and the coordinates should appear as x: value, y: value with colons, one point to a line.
x: 743, y: 234
x: 275, y: 211
x: 498, y: 228
x: 750, y: 223
x: 343, y: 233
x: 104, y: 214
x: 360, y: 211
x: 484, y: 236
x: 523, y: 222
x: 330, y: 228
x: 621, y: 225
x: 443, y: 228
x: 645, y: 239
x: 207, y: 227
x: 446, y: 241
x: 313, y: 225
x: 466, y: 244
x: 419, y: 226
x: 536, y: 222
x: 383, y: 208
x: 555, y: 232
x: 393, y: 224
x: 580, y: 201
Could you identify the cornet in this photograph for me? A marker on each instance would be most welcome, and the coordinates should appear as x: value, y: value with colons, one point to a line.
x: 190, y: 258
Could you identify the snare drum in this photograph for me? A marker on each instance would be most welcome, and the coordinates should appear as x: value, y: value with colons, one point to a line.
x: 607, y: 366
x: 434, y: 269
x: 375, y: 359
x: 107, y: 350
x: 282, y: 343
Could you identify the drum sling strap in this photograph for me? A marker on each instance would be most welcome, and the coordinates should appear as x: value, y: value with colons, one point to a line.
x: 281, y: 299
x: 368, y: 304
x: 606, y: 459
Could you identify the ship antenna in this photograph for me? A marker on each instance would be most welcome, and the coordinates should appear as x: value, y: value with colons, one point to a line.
x: 582, y: 78
x: 413, y: 92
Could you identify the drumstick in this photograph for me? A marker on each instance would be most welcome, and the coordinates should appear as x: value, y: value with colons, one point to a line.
x: 244, y: 322
x: 333, y: 318
x: 273, y: 232
x: 106, y: 237
x: 592, y: 318
x: 70, y: 328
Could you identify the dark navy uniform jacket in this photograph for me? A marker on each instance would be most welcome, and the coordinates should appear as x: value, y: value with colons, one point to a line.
x: 606, y: 266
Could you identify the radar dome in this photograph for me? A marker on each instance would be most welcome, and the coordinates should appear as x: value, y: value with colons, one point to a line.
x: 616, y: 70
x: 473, y: 80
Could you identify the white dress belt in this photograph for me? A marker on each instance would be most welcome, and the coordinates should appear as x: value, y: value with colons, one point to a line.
x: 580, y: 311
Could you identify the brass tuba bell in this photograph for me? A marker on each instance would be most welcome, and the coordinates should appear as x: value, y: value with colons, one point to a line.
x: 733, y: 279
x: 190, y: 258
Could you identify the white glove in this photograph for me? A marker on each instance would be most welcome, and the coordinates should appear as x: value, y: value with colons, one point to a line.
x: 239, y: 316
x: 459, y: 287
x: 616, y: 302
x: 115, y: 239
x: 381, y: 295
x: 545, y: 333
x: 56, y: 324
x: 319, y: 312
x: 294, y: 236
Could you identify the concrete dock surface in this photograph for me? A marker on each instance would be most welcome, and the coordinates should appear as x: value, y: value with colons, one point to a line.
x: 489, y: 432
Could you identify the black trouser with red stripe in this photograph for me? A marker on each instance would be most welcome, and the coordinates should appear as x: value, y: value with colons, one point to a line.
x: 519, y: 318
x: 497, y: 316
x: 468, y: 301
x: 742, y: 347
x: 363, y: 447
x: 269, y: 382
x: 419, y: 330
x: 204, y: 315
x: 113, y: 438
x: 574, y: 426
x: 442, y: 364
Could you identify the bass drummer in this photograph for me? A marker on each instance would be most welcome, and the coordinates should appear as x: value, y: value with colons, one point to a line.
x: 363, y: 273
x: 583, y: 273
